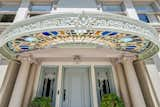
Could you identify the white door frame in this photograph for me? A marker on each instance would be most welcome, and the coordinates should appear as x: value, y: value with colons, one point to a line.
x: 59, y: 87
x: 60, y: 64
x: 94, y: 88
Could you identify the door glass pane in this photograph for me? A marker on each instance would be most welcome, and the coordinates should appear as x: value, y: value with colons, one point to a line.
x: 104, y: 81
x: 47, y: 83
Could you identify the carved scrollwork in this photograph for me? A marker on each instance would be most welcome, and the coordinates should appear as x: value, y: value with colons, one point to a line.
x: 82, y: 20
x: 79, y: 20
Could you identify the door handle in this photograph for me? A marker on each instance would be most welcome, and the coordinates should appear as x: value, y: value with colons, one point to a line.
x: 64, y: 94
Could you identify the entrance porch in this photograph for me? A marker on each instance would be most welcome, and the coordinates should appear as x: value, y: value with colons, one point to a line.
x: 75, y: 58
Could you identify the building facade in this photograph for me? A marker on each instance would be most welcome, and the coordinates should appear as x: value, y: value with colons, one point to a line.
x: 75, y: 51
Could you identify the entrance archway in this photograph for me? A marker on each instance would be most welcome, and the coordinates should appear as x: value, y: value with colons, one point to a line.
x: 82, y: 29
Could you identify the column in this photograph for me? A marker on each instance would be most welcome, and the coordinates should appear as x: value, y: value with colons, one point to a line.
x: 94, y: 88
x: 59, y: 87
x: 145, y: 83
x: 20, y: 84
x: 130, y: 10
x: 122, y: 83
x: 9, y: 81
x: 156, y: 59
x: 133, y: 84
x: 29, y: 88
x: 22, y: 11
x: 36, y: 81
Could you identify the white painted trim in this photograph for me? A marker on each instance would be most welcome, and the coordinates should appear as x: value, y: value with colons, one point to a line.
x: 77, y: 64
x: 94, y: 88
x: 55, y: 21
x: 59, y: 86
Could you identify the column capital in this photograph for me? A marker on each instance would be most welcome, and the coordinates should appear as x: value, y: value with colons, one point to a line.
x: 28, y: 58
x: 128, y: 58
x: 123, y: 59
x: 115, y: 60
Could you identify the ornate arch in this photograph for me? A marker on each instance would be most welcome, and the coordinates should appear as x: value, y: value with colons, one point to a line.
x: 83, y: 28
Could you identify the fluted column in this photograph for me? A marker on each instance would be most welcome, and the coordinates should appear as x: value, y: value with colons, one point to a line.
x: 145, y: 83
x: 133, y: 84
x: 29, y: 87
x: 8, y: 84
x: 20, y: 85
x: 122, y: 83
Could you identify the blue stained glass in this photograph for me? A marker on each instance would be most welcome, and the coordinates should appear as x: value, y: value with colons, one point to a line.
x: 126, y: 39
x: 130, y: 47
x: 113, y: 33
x: 46, y: 33
x: 24, y: 47
x: 31, y: 39
x: 105, y: 33
x: 55, y: 33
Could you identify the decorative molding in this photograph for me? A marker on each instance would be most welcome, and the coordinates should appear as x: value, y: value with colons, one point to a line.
x: 83, y: 20
x: 59, y: 21
x: 128, y: 58
x: 28, y: 58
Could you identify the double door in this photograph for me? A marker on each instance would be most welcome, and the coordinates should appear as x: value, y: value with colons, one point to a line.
x: 76, y: 87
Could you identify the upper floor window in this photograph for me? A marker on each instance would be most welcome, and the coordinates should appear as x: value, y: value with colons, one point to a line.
x: 40, y: 7
x: 144, y: 8
x: 112, y: 7
x: 9, y: 6
x: 147, y: 12
x: 7, y: 17
x: 143, y: 17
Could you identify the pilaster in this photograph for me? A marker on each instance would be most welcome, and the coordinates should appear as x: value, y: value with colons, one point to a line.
x: 53, y: 6
x: 22, y: 11
x: 132, y: 81
x: 59, y: 86
x: 130, y: 10
x: 94, y: 91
